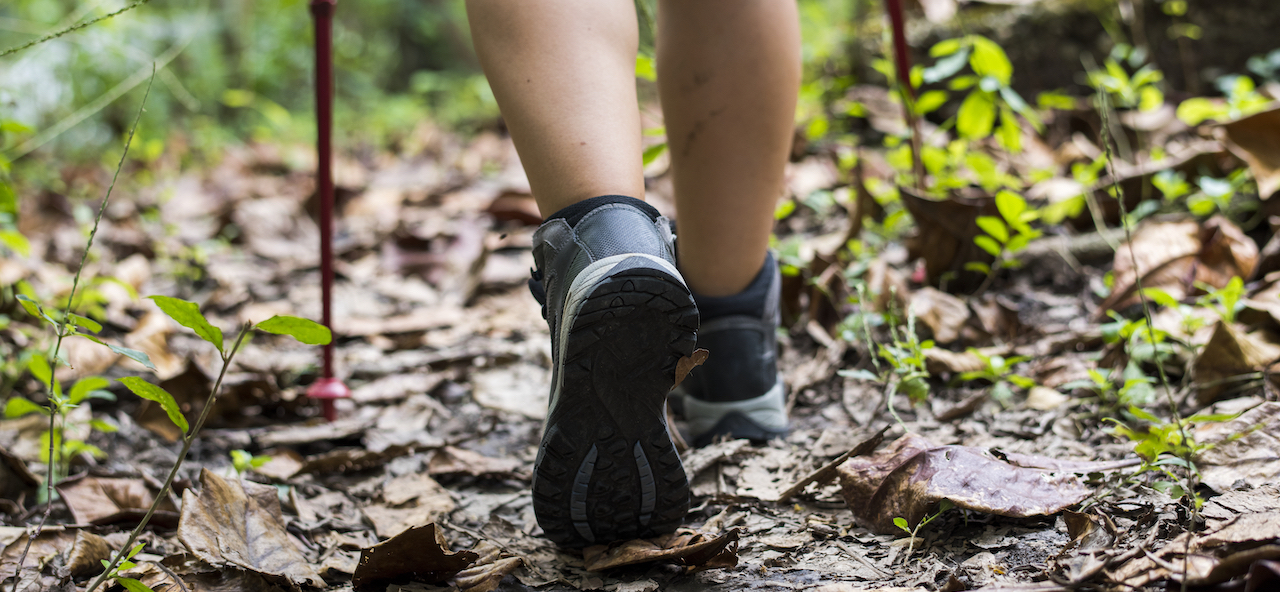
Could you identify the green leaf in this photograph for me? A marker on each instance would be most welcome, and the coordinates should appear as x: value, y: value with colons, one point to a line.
x: 978, y: 266
x: 20, y: 406
x: 901, y: 522
x: 987, y: 244
x: 304, y: 330
x: 1150, y: 99
x: 977, y: 115
x: 945, y: 67
x: 188, y: 315
x: 1196, y: 110
x: 34, y: 309
x: 133, y: 585
x: 103, y: 426
x: 930, y: 101
x: 946, y: 47
x: 83, y: 387
x: 16, y: 242
x: 652, y: 153
x: 1010, y: 132
x: 645, y: 69
x: 39, y: 368
x: 994, y: 227
x: 86, y: 322
x: 151, y: 392
x: 133, y: 354
x: 989, y: 59
x: 1160, y: 297
x: 1011, y: 207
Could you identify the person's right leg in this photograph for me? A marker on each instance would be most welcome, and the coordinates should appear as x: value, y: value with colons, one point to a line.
x: 620, y: 314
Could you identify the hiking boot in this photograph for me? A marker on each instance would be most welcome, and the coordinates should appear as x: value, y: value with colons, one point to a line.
x: 621, y: 317
x: 738, y: 391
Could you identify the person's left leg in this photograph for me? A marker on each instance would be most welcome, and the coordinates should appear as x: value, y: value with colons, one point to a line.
x: 728, y: 76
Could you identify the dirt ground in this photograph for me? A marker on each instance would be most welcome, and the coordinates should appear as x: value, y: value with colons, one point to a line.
x: 447, y: 357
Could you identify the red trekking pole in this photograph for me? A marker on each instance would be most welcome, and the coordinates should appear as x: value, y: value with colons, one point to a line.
x: 328, y: 388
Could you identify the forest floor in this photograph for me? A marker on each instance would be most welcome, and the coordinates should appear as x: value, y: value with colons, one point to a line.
x: 447, y: 357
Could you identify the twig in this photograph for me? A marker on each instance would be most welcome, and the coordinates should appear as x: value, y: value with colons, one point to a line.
x: 828, y: 471
x: 187, y: 441
x: 71, y: 29
x: 62, y: 333
x: 177, y: 580
x: 1104, y: 109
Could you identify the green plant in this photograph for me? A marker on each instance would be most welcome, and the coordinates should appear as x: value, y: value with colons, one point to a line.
x: 1163, y: 445
x: 1242, y: 99
x: 113, y: 571
x: 67, y: 438
x: 989, y: 90
x: 1215, y: 194
x: 1226, y: 301
x: 242, y: 461
x: 902, y: 523
x: 1004, y: 236
x: 904, y: 354
x: 1129, y: 91
x: 998, y: 370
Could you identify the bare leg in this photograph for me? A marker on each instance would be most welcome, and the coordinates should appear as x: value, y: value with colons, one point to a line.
x: 728, y: 75
x: 563, y: 72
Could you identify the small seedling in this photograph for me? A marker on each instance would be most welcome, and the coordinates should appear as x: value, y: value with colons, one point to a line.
x: 901, y: 523
x: 242, y: 461
x: 998, y: 370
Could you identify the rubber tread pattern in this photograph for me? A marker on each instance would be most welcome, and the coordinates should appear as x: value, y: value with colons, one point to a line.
x: 607, y: 469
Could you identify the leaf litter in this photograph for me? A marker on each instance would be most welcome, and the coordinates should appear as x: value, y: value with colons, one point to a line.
x: 423, y: 484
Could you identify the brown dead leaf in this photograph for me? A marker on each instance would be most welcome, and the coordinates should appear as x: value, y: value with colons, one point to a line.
x: 944, y: 314
x: 1256, y: 140
x: 102, y: 500
x: 194, y: 575
x: 1231, y: 352
x: 1174, y: 255
x: 51, y: 542
x: 239, y: 523
x: 348, y: 460
x: 1246, y: 450
x: 910, y: 477
x: 488, y: 570
x: 16, y: 481
x: 451, y: 460
x: 688, y: 363
x: 694, y: 550
x: 418, y: 554
x: 944, y: 237
x: 87, y: 553
x: 1224, y: 551
x: 408, y: 501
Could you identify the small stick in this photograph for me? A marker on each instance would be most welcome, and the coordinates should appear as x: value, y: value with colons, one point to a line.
x: 828, y: 471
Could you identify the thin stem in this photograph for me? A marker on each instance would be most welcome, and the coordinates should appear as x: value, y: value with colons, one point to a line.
x: 55, y: 407
x: 187, y: 441
x: 1104, y: 109
x: 71, y: 29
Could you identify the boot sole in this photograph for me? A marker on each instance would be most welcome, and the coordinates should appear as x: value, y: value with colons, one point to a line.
x: 606, y: 468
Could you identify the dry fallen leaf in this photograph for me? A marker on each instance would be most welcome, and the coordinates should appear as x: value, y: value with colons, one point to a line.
x: 1231, y: 352
x: 418, y: 554
x: 694, y: 550
x: 1174, y: 255
x: 87, y: 553
x: 944, y: 314
x: 488, y: 570
x: 408, y: 501
x: 944, y: 238
x: 686, y: 364
x: 100, y: 500
x: 451, y: 460
x: 16, y: 481
x: 239, y: 523
x: 1221, y: 553
x: 1246, y: 449
x: 1256, y: 140
x: 910, y: 477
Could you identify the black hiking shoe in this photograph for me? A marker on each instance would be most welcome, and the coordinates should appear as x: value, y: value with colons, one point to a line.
x: 620, y: 318
x: 737, y: 392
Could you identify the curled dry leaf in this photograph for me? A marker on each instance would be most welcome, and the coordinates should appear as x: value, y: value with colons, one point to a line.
x: 418, y: 554
x: 686, y: 364
x: 1246, y: 450
x: 87, y: 553
x: 100, y: 500
x: 945, y: 237
x: 1256, y: 140
x: 1231, y: 352
x: 944, y: 314
x: 408, y: 501
x: 694, y: 550
x: 488, y: 570
x: 15, y: 479
x: 1174, y: 255
x: 239, y: 524
x: 912, y: 476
